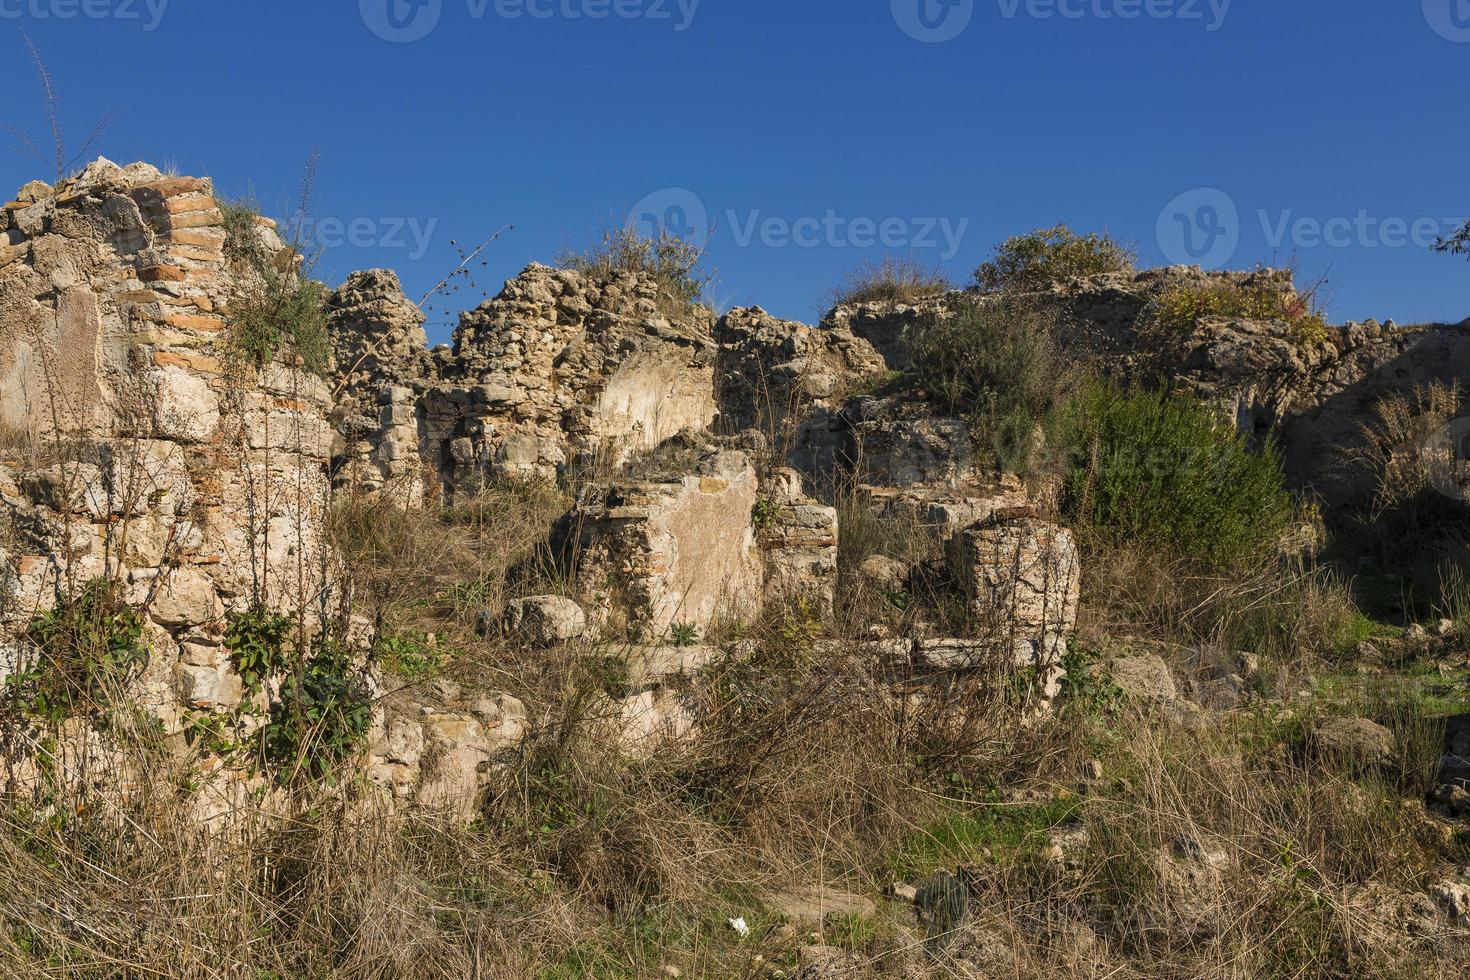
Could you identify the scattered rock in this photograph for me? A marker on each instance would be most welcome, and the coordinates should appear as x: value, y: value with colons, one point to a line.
x: 1144, y: 677
x: 827, y: 963
x: 546, y: 620
x: 1454, y: 898
x: 1356, y: 742
x: 885, y: 574
x: 809, y: 907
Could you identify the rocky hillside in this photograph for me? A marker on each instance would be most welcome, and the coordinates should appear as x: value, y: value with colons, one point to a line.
x: 615, y: 581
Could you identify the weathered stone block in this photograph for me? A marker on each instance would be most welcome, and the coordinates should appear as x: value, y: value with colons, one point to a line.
x: 185, y: 408
x: 1022, y: 575
x: 650, y: 555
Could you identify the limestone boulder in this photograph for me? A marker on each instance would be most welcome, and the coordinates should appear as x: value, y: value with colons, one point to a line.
x: 1357, y: 743
x: 545, y: 620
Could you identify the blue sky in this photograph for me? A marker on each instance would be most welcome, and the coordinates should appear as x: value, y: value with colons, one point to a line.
x: 811, y: 134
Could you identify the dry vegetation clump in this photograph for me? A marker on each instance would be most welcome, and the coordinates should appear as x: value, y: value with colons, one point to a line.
x: 676, y: 263
x: 890, y: 280
x: 1221, y: 853
x: 1414, y: 517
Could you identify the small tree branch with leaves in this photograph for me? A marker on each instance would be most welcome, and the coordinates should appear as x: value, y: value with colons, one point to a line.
x: 1456, y: 244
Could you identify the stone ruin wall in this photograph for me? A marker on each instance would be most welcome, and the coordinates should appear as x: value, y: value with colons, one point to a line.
x: 204, y: 486
x: 137, y: 451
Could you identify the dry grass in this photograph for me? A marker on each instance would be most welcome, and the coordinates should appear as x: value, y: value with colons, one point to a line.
x: 890, y: 280
x: 1215, y: 851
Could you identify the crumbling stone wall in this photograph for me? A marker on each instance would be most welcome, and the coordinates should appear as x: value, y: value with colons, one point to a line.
x: 382, y: 364
x: 771, y: 371
x: 158, y: 461
x: 558, y: 372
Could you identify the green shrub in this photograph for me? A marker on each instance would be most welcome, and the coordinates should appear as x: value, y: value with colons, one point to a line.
x: 1179, y: 308
x: 88, y: 647
x: 413, y: 655
x: 324, y: 711
x: 996, y: 364
x: 676, y: 264
x: 316, y: 717
x: 890, y: 280
x: 257, y: 641
x: 1164, y: 471
x: 277, y: 310
x: 1028, y: 263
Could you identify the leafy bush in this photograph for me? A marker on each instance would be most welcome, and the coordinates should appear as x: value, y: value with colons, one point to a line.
x: 324, y: 711
x: 321, y: 710
x: 997, y: 364
x: 676, y: 264
x: 1027, y: 263
x: 88, y: 648
x: 890, y: 280
x: 413, y: 655
x: 257, y: 642
x: 1162, y: 470
x: 278, y: 310
x: 1179, y: 308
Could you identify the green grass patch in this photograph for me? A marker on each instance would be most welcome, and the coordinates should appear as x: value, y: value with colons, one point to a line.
x: 970, y: 830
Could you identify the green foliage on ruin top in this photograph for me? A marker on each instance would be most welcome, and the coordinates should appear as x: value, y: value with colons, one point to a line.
x: 1179, y: 308
x: 997, y: 364
x: 277, y: 311
x: 1035, y: 261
